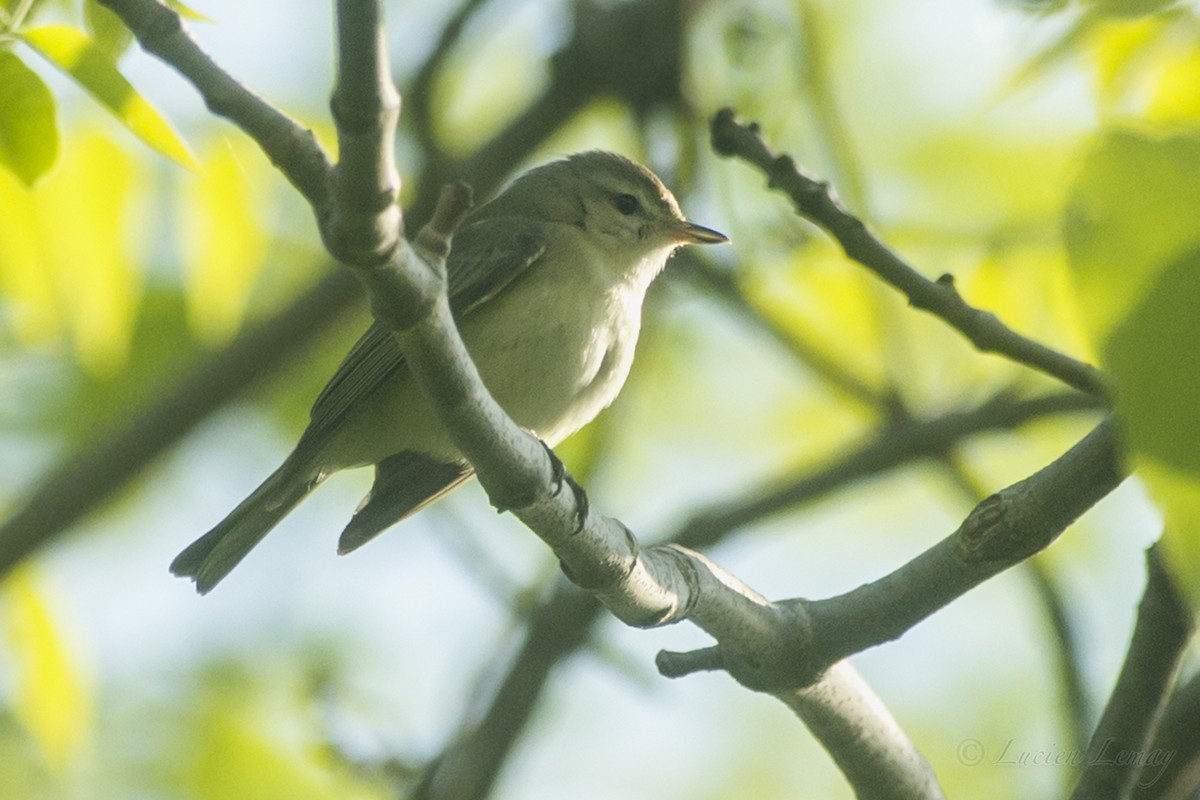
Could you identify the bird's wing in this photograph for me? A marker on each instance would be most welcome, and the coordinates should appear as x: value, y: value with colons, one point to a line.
x: 485, y: 257
x: 404, y: 484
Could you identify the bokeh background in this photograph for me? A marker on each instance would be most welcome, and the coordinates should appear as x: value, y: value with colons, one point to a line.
x: 955, y: 127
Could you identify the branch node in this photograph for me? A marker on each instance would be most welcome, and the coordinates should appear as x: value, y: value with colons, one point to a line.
x: 674, y: 664
x: 453, y: 204
x: 981, y: 536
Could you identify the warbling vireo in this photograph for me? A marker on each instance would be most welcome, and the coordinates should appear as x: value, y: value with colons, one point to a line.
x: 546, y: 284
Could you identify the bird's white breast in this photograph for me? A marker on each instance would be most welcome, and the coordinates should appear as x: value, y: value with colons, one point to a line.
x: 554, y: 349
x: 557, y: 349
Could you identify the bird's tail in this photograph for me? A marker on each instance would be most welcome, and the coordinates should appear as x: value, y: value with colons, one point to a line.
x: 211, y: 557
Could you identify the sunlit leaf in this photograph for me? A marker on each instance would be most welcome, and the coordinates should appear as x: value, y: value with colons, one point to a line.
x: 1121, y: 49
x: 94, y: 69
x: 28, y: 129
x: 52, y: 700
x: 1132, y: 212
x: 1155, y: 363
x: 31, y: 309
x: 222, y: 237
x: 66, y: 263
x: 1134, y: 243
x: 1176, y: 95
x: 87, y: 247
x: 108, y: 31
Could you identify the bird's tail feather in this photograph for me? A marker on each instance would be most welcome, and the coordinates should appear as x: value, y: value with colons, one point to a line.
x: 211, y: 557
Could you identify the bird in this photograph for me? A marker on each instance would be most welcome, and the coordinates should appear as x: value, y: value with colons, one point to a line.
x: 546, y: 283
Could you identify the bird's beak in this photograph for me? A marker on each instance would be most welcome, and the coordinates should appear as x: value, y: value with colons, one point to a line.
x: 690, y: 233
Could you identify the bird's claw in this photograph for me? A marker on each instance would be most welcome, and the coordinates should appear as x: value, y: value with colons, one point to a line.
x: 561, y: 477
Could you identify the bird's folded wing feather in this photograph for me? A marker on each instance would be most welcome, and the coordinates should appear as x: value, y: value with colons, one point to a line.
x: 485, y: 257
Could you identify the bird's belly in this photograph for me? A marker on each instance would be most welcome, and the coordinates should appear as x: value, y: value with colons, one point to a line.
x: 553, y: 362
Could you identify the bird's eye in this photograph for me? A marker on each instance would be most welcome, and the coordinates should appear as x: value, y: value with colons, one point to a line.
x: 627, y: 204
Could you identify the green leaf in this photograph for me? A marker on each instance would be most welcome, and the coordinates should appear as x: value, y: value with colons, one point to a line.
x: 1179, y: 497
x: 80, y: 57
x: 222, y: 237
x: 52, y: 700
x: 1155, y: 364
x: 107, y: 29
x: 1131, y: 214
x: 1133, y: 241
x: 28, y: 130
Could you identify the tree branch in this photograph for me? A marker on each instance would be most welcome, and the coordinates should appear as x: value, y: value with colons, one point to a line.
x: 642, y: 587
x: 560, y: 625
x: 1173, y: 768
x: 469, y: 765
x: 815, y: 201
x: 1003, y: 530
x: 291, y: 147
x: 874, y: 753
x: 364, y: 223
x: 1064, y: 638
x: 1118, y: 758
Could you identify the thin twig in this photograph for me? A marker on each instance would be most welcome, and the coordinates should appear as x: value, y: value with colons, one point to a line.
x: 816, y: 201
x: 1117, y: 755
x: 291, y: 147
x: 1172, y: 769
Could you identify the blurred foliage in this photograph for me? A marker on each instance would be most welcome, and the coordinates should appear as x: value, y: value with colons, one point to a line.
x: 1134, y: 241
x: 52, y: 700
x: 223, y: 238
x: 260, y: 741
x: 1073, y: 220
x: 28, y: 132
x: 28, y: 125
x: 58, y: 228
